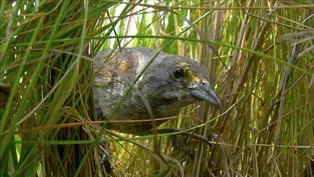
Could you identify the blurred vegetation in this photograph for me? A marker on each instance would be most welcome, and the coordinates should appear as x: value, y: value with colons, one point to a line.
x: 259, y: 54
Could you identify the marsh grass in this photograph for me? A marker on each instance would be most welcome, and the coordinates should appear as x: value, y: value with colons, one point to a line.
x: 259, y: 55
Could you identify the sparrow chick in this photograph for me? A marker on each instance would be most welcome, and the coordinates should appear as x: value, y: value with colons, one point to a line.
x: 169, y: 83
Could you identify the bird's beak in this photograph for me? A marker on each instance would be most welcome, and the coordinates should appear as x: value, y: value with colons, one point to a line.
x: 204, y: 92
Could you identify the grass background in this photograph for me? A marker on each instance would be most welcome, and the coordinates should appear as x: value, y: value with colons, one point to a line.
x: 259, y: 55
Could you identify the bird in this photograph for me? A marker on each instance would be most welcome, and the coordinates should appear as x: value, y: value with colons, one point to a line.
x: 169, y: 83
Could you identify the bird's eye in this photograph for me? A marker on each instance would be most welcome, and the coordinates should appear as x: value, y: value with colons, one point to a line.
x: 178, y: 72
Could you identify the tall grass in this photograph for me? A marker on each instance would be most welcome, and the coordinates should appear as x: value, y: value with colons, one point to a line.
x: 259, y: 55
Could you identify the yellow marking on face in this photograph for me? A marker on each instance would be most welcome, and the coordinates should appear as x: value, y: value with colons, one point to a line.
x: 191, y: 75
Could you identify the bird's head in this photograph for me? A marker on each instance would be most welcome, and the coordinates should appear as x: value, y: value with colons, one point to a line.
x: 173, y: 82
